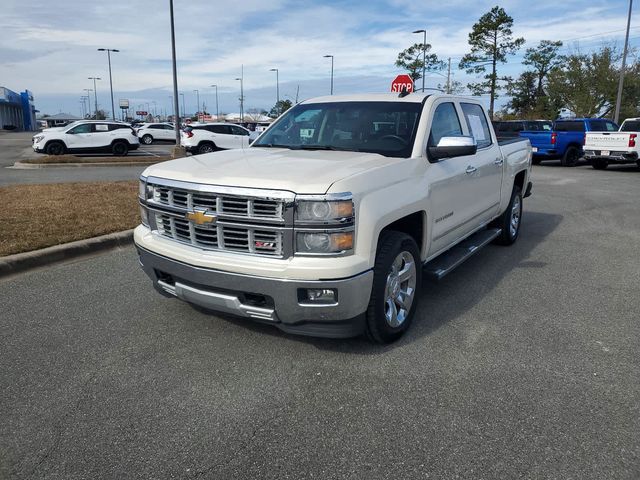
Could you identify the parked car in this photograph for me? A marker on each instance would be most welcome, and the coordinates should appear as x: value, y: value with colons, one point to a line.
x: 324, y: 224
x: 87, y: 136
x: 623, y: 146
x: 201, y: 138
x: 150, y: 132
x: 566, y: 139
x: 512, y: 128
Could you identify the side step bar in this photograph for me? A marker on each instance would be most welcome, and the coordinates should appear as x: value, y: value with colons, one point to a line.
x: 446, y: 262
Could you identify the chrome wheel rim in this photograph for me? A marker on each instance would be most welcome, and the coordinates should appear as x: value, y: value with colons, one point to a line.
x: 206, y: 149
x: 516, y: 212
x: 147, y: 140
x: 400, y: 289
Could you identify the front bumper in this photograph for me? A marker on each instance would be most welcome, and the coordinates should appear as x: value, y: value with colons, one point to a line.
x: 268, y: 300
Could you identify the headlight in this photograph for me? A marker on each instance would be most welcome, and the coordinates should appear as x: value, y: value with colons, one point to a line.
x: 38, y: 138
x: 144, y: 191
x: 324, y: 242
x: 335, y: 208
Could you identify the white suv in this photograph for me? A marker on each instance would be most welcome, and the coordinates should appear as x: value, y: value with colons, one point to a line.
x: 87, y: 136
x: 208, y: 137
x: 149, y: 132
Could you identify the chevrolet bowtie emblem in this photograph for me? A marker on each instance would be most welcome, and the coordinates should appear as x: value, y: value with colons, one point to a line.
x: 200, y: 217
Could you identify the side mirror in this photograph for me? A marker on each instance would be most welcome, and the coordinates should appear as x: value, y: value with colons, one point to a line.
x: 449, y: 147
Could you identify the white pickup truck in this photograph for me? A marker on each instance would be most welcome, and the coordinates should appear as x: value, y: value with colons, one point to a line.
x: 623, y: 146
x: 327, y: 223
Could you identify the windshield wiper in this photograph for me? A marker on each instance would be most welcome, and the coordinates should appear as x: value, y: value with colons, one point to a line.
x: 274, y: 145
x: 328, y: 147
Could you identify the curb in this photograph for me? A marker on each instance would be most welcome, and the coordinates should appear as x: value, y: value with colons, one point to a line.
x: 21, y: 262
x: 28, y: 166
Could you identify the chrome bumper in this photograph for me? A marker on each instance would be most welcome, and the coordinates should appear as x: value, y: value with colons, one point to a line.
x: 268, y: 300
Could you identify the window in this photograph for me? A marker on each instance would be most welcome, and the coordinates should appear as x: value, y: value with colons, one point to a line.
x: 611, y: 127
x: 445, y: 123
x: 477, y: 123
x: 598, y: 125
x: 167, y: 127
x: 570, y: 126
x: 157, y: 127
x: 100, y: 127
x: 116, y: 126
x: 238, y: 131
x: 630, y: 126
x: 82, y: 128
x: 220, y: 129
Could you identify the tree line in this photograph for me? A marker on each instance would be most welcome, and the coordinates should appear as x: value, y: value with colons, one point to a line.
x: 584, y: 84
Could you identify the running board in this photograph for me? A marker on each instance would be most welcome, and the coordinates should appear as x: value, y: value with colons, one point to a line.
x: 446, y: 262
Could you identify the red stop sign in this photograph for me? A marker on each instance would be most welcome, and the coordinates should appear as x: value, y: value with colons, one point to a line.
x: 402, y: 82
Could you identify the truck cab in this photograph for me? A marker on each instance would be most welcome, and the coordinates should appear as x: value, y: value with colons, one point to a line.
x: 326, y: 224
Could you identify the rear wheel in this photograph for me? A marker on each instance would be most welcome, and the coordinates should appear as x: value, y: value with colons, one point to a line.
x: 571, y: 157
x: 120, y: 149
x: 54, y: 148
x: 509, y: 222
x: 206, y: 147
x: 396, y: 286
x: 599, y: 163
x: 147, y: 139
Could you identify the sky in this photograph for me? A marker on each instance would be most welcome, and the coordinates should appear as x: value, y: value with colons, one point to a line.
x: 50, y: 47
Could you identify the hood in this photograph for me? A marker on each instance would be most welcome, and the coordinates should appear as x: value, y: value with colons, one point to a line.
x: 299, y: 171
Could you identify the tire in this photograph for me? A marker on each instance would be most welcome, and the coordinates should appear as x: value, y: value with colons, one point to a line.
x: 147, y: 139
x: 206, y: 147
x: 397, y: 254
x: 120, y: 149
x: 536, y: 160
x: 55, y: 148
x: 599, y: 163
x: 571, y: 157
x: 511, y: 220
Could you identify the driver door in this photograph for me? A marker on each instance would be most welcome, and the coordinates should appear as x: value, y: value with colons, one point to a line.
x: 79, y: 137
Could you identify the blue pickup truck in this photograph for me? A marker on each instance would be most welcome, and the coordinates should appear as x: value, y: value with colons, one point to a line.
x: 566, y: 139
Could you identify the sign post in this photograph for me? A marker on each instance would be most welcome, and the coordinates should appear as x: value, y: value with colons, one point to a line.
x: 402, y: 83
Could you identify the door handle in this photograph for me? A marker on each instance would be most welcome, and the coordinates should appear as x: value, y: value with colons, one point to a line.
x: 470, y: 169
x: 498, y: 161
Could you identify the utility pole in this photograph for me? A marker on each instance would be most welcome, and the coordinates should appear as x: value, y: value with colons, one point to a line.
x: 297, y: 93
x: 197, y: 92
x: 624, y: 65
x: 95, y: 92
x: 277, y: 89
x: 184, y: 109
x: 89, y: 90
x: 331, y: 57
x: 241, y: 94
x: 449, y: 77
x: 178, y: 151
x: 217, y: 111
x: 109, y: 50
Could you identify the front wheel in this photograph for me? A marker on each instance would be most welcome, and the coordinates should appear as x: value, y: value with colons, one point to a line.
x: 509, y: 222
x: 571, y: 157
x: 147, y: 139
x: 396, y: 285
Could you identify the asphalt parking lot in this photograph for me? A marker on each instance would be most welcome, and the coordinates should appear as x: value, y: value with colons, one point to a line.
x: 523, y: 363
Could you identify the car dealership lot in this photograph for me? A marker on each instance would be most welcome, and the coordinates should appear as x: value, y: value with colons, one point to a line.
x: 521, y: 364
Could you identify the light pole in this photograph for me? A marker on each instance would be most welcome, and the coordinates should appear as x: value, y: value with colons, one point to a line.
x: 178, y: 151
x: 624, y: 64
x: 197, y: 92
x: 424, y: 54
x: 241, y: 78
x: 184, y: 109
x: 331, y: 57
x: 95, y: 92
x: 277, y: 89
x: 217, y: 111
x: 155, y: 111
x: 109, y: 50
x: 88, y: 90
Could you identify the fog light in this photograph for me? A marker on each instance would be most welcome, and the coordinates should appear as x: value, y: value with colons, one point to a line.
x: 321, y: 295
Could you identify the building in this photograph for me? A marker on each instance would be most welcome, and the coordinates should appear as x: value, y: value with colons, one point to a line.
x: 59, y: 119
x: 17, y: 111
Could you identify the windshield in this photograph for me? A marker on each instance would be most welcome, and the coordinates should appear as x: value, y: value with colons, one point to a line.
x: 386, y: 128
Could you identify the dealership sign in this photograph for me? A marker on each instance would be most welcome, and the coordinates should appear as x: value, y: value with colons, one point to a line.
x: 142, y: 113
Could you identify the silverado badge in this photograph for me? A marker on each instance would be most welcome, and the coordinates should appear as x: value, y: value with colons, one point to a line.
x: 200, y: 217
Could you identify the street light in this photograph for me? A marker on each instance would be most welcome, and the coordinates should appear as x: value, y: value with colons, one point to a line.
x: 184, y: 110
x: 424, y: 54
x: 95, y: 92
x: 109, y: 50
x: 217, y: 111
x: 616, y: 115
x: 89, y: 98
x: 176, y: 108
x: 197, y: 104
x: 331, y: 57
x: 241, y: 78
x: 277, y: 89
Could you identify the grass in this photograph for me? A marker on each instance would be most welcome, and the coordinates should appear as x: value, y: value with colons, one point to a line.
x: 109, y: 159
x: 38, y: 216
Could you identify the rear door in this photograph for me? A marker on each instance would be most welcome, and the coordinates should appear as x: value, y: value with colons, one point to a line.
x: 221, y: 136
x: 484, y: 168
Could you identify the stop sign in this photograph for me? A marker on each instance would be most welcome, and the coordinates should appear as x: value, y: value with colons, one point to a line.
x: 402, y: 82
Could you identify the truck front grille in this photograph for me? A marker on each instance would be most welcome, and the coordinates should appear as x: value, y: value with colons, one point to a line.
x: 255, y: 240
x: 219, y: 204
